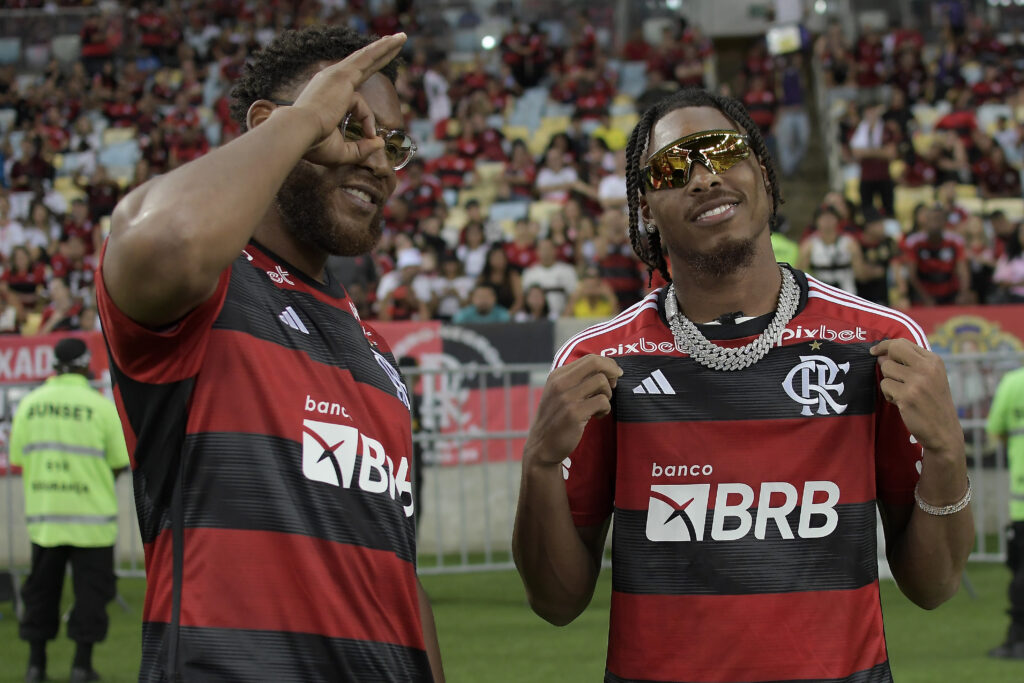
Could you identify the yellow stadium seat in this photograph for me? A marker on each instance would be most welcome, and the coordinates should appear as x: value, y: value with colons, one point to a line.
x: 966, y: 191
x: 66, y: 187
x: 489, y: 172
x: 538, y: 142
x: 897, y: 168
x: 541, y: 211
x: 922, y: 142
x: 508, y: 228
x: 926, y: 117
x: 851, y: 190
x: 975, y: 206
x: 112, y: 136
x: 512, y: 133
x: 1013, y: 207
x: 625, y: 122
x: 906, y: 198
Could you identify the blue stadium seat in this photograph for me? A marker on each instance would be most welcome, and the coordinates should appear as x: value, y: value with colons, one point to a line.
x: 510, y: 211
x: 633, y: 78
x: 120, y: 154
x: 10, y: 50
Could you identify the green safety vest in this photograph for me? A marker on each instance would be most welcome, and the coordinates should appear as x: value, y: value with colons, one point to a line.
x: 1006, y: 419
x: 786, y: 250
x: 67, y: 438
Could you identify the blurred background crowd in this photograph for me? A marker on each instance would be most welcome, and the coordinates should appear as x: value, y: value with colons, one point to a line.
x: 900, y: 146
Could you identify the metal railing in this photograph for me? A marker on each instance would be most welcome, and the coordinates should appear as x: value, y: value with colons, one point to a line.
x: 470, y: 470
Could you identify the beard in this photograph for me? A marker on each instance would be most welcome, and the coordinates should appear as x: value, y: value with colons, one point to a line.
x: 302, y: 202
x: 724, y: 259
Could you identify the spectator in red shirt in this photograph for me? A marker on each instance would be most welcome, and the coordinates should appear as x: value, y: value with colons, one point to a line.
x: 421, y: 190
x: 23, y: 281
x: 62, y: 313
x: 74, y: 266
x: 101, y: 191
x: 936, y: 261
x: 97, y: 47
x: 191, y: 145
x: 870, y: 59
x: 636, y: 48
x: 452, y: 169
x: 31, y: 169
x: 995, y: 177
x: 522, y: 250
x: 79, y: 224
x: 520, y: 174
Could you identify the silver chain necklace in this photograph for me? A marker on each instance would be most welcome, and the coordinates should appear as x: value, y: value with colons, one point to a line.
x: 690, y: 341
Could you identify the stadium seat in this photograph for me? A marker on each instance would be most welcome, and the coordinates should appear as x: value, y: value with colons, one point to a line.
x: 511, y: 211
x: 489, y: 172
x: 926, y: 115
x: 10, y: 50
x: 37, y: 56
x: 964, y: 191
x: 516, y: 133
x: 1013, y: 207
x: 541, y: 211
x: 7, y: 117
x: 922, y: 142
x: 122, y: 154
x: 421, y: 130
x: 67, y: 188
x: 633, y: 78
x: 67, y: 48
x: 973, y: 205
x: 906, y: 198
x: 851, y: 189
x: 625, y: 122
x: 114, y: 136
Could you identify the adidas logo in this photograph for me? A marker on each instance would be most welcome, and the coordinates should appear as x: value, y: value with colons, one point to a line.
x: 290, y: 318
x: 654, y: 384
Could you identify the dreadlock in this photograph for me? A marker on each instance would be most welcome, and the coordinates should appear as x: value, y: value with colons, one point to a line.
x: 649, y: 250
x: 290, y: 59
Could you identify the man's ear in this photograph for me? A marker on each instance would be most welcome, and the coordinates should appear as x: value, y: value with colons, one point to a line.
x: 645, y: 210
x: 764, y: 176
x: 258, y: 113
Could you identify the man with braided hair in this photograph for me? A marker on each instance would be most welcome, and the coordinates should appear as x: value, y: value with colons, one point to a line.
x: 269, y: 427
x: 742, y: 425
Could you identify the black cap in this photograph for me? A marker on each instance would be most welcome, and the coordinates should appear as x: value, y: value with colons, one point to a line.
x: 71, y: 353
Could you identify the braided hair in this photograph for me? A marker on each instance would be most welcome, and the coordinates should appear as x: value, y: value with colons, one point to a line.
x: 648, y: 245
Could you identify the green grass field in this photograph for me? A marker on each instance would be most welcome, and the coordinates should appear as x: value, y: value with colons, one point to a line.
x: 489, y: 635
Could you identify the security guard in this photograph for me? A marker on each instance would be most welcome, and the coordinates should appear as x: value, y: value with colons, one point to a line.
x: 1006, y: 422
x: 68, y: 441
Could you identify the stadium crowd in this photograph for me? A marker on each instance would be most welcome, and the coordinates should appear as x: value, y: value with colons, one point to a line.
x: 514, y: 209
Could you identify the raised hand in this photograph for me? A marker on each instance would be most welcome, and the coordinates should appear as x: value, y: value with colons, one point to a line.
x: 914, y: 379
x: 331, y: 95
x: 572, y: 395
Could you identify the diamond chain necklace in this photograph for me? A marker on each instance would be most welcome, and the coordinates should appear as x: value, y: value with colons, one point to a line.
x: 690, y: 341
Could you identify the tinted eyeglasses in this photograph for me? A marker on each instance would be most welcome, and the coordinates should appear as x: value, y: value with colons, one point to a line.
x: 717, y: 150
x: 399, y: 147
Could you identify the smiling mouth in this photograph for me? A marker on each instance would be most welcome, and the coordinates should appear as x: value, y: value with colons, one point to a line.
x: 358, y: 194
x: 717, y: 211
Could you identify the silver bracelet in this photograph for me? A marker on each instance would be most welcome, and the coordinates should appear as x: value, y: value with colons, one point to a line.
x: 945, y: 509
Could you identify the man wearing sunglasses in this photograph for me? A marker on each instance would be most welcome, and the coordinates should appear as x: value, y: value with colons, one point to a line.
x: 742, y: 425
x: 269, y: 427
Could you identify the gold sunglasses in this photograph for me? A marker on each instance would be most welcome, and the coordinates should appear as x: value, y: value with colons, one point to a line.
x: 716, y: 150
x: 399, y: 147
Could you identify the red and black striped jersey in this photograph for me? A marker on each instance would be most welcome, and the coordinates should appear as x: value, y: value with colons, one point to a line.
x: 271, y: 449
x: 744, y: 535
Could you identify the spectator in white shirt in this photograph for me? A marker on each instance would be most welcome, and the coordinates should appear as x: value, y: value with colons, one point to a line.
x: 556, y: 278
x: 555, y: 178
x: 12, y: 233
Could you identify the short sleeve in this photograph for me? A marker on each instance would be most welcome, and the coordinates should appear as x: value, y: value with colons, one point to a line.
x: 158, y: 356
x: 589, y: 471
x: 897, y: 453
x: 997, y: 424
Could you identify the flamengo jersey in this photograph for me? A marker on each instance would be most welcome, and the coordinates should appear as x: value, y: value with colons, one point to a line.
x: 271, y: 448
x: 743, y: 545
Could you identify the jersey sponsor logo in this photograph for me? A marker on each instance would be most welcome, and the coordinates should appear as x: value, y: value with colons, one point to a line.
x: 679, y: 512
x: 290, y: 318
x: 325, y: 407
x: 329, y: 456
x: 654, y: 384
x: 639, y: 346
x: 280, y: 276
x: 812, y: 383
x: 396, y: 379
x: 681, y: 470
x: 824, y: 332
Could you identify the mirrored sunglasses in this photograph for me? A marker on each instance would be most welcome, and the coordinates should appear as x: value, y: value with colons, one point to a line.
x: 716, y: 150
x: 399, y: 147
